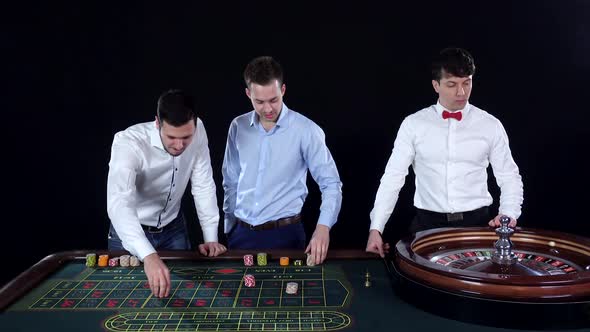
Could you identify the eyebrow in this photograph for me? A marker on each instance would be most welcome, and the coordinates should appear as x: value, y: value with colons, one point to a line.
x: 273, y: 98
x: 183, y: 137
x: 454, y: 82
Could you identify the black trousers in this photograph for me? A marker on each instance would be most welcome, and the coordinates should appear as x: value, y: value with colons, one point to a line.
x: 425, y: 219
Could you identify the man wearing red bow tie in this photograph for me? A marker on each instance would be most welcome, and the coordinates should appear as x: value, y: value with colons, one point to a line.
x: 449, y: 145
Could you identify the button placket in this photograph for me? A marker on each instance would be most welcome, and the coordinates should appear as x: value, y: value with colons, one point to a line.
x: 262, y: 166
x: 451, y: 145
x: 170, y: 191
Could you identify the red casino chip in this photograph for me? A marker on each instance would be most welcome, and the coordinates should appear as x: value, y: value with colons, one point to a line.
x: 248, y: 260
x: 249, y: 280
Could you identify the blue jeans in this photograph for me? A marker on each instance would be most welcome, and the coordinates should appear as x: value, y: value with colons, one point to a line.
x: 286, y: 237
x: 173, y: 237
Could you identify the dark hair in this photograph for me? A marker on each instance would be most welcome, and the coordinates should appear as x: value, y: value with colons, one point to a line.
x: 176, y: 108
x: 263, y: 70
x: 455, y: 61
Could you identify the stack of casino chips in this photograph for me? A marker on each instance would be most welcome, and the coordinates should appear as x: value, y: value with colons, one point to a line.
x: 297, y: 262
x: 124, y: 260
x: 134, y: 261
x: 103, y: 260
x: 114, y: 261
x: 310, y: 260
x: 261, y: 259
x: 292, y: 288
x: 284, y: 261
x: 91, y: 260
x: 249, y: 280
x: 248, y: 260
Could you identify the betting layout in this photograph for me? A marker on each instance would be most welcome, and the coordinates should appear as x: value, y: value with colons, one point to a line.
x: 285, y: 295
x: 198, y: 287
x: 110, y: 286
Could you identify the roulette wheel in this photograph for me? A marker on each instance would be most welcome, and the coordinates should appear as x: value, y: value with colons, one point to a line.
x: 531, y: 278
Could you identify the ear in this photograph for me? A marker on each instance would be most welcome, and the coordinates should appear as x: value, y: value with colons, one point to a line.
x: 248, y: 92
x: 157, y: 123
x: 435, y: 85
x: 283, y: 89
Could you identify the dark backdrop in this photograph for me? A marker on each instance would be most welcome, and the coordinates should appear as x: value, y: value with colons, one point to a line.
x: 75, y: 75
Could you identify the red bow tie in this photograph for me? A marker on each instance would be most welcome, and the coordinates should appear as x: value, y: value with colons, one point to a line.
x: 455, y: 115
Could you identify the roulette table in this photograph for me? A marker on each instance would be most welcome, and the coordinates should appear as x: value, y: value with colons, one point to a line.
x: 208, y: 294
x: 351, y: 291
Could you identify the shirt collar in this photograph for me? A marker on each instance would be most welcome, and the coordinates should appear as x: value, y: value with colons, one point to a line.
x: 440, y: 108
x: 282, y: 121
x: 155, y: 137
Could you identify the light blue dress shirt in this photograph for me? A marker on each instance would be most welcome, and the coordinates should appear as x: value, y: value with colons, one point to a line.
x: 264, y: 172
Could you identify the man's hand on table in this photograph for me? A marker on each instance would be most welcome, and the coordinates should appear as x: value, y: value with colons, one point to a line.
x: 319, y: 243
x: 212, y: 249
x: 158, y: 275
x: 375, y: 243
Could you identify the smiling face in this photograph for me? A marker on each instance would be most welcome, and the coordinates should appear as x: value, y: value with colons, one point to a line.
x: 176, y: 139
x: 453, y: 92
x: 267, y: 101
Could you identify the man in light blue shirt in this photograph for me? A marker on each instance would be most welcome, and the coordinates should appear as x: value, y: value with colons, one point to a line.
x: 267, y: 155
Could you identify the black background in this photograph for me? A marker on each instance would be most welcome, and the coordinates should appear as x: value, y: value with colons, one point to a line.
x: 76, y: 74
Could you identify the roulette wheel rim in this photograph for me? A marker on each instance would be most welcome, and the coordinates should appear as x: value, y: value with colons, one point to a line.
x: 552, y: 288
x: 559, y: 301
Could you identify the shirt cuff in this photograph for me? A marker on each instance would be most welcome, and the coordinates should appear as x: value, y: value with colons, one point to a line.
x: 377, y: 226
x: 325, y: 224
x: 210, y: 233
x: 143, y: 249
x: 376, y: 222
x: 326, y: 221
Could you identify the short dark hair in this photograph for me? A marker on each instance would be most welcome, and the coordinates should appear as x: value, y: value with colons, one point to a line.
x: 176, y: 107
x: 455, y: 61
x: 263, y: 70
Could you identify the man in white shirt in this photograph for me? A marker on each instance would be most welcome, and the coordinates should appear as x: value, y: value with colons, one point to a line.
x: 150, y: 167
x: 449, y: 145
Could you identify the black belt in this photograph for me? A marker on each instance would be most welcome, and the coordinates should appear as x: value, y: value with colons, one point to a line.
x: 152, y: 229
x: 273, y: 223
x: 457, y: 216
x: 156, y: 230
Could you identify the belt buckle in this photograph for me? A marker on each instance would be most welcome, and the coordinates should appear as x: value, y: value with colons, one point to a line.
x: 248, y: 225
x: 455, y: 216
x: 156, y: 231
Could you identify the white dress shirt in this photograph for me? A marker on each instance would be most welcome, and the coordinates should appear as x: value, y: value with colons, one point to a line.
x: 146, y: 184
x: 450, y: 160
